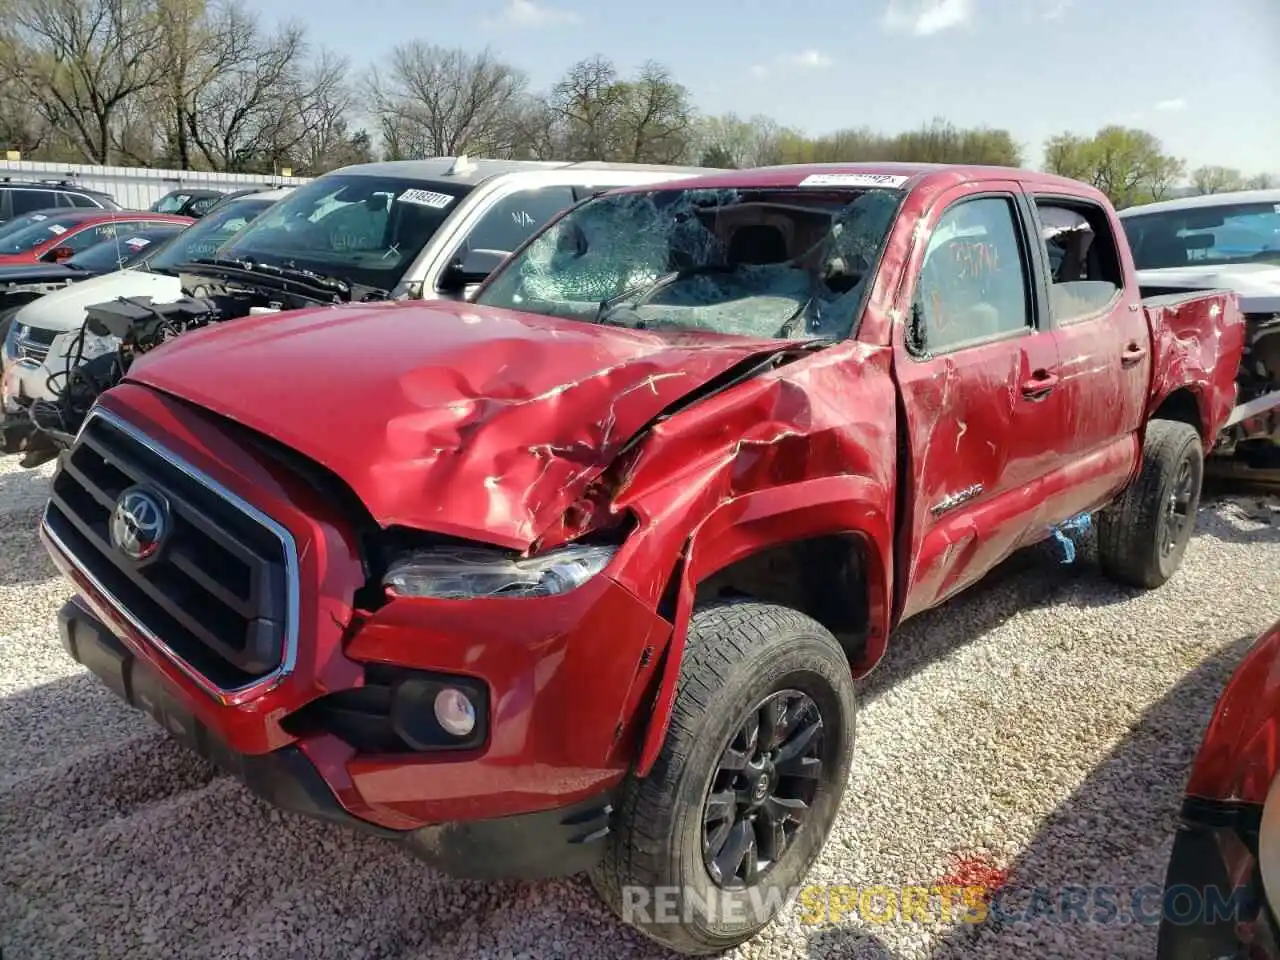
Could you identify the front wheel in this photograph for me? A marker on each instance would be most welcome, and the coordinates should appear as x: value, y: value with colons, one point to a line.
x: 1143, y: 535
x: 711, y: 844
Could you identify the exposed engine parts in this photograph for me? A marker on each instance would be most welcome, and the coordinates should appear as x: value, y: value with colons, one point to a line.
x: 134, y: 326
x: 1253, y: 431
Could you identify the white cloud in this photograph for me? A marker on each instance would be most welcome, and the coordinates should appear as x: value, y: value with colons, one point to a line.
x: 1172, y: 106
x: 1056, y: 9
x: 805, y: 60
x: 529, y: 13
x: 924, y: 18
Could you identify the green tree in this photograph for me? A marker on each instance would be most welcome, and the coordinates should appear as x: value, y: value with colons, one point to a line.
x: 717, y: 156
x: 751, y: 142
x: 1216, y: 179
x: 1129, y: 166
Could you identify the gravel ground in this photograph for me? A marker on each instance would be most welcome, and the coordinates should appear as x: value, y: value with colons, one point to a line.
x: 1041, y: 725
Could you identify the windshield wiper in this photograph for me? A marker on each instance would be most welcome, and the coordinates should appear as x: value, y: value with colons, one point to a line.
x: 223, y: 262
x: 316, y: 281
x: 641, y: 292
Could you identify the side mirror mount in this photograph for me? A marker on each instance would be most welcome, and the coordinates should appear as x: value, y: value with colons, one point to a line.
x: 59, y: 254
x: 470, y: 270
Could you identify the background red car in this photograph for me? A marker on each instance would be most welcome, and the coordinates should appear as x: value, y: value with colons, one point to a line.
x: 63, y: 235
x: 1222, y: 889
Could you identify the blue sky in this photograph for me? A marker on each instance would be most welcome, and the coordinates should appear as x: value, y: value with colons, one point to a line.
x: 1203, y: 75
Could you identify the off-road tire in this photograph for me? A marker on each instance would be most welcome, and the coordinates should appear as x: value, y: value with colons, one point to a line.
x: 1130, y: 530
x: 737, y: 653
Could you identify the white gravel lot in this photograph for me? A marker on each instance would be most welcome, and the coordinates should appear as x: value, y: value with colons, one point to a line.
x: 1045, y: 721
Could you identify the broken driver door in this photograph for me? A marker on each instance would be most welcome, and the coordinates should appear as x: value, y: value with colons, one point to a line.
x: 977, y: 366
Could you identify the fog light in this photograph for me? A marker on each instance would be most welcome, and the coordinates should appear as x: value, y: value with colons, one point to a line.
x: 455, y: 712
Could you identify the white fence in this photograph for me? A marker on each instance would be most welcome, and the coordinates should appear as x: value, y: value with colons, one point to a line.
x: 136, y: 188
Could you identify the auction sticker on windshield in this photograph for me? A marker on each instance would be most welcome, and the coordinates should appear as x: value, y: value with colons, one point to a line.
x: 57, y: 229
x: 137, y: 242
x: 853, y: 180
x: 426, y: 198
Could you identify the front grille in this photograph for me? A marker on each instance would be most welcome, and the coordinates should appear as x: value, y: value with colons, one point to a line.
x: 33, y: 343
x: 219, y: 595
x: 32, y: 352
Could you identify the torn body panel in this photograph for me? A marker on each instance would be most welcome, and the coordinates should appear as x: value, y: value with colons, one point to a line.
x: 1198, y: 341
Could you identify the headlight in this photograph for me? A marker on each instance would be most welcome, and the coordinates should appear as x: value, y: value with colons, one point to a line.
x: 467, y: 573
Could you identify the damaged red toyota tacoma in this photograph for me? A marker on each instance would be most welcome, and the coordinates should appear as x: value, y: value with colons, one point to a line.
x: 578, y: 576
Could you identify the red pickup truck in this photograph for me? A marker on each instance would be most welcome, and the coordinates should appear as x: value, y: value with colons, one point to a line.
x: 579, y: 575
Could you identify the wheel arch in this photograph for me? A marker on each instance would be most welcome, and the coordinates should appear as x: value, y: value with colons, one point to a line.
x: 751, y: 545
x: 1184, y: 405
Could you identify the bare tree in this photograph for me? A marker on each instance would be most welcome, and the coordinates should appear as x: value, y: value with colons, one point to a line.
x: 22, y: 128
x: 203, y: 43
x: 325, y: 102
x: 1216, y: 179
x: 657, y: 117
x: 603, y: 117
x: 586, y: 103
x: 79, y: 61
x: 753, y: 142
x: 435, y: 101
x: 249, y: 115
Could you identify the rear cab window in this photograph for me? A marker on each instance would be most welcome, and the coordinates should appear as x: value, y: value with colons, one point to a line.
x: 1082, y: 258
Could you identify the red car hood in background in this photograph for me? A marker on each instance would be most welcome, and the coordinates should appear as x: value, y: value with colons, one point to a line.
x: 448, y: 417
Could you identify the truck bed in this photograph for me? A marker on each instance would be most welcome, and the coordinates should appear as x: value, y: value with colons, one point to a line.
x: 1252, y: 427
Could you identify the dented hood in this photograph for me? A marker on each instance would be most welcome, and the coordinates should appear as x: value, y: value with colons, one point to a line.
x: 447, y: 417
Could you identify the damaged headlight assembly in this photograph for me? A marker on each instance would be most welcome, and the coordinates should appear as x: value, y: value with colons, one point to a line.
x: 467, y: 573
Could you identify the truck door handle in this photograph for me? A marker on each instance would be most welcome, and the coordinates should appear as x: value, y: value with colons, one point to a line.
x: 1040, y: 385
x: 1132, y: 354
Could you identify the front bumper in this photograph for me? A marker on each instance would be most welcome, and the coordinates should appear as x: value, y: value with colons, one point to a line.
x: 548, y: 843
x: 1214, y: 905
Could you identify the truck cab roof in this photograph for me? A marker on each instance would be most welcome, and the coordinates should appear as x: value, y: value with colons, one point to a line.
x: 466, y: 171
x: 906, y: 176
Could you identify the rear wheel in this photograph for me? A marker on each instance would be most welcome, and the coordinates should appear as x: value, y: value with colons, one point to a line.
x: 749, y: 781
x: 1143, y: 535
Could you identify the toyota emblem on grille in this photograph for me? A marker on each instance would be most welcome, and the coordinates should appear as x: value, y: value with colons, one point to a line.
x: 138, y: 523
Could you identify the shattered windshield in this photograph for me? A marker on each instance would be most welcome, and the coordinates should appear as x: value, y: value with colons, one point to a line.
x: 364, y: 230
x: 1205, y: 236
x: 788, y: 263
